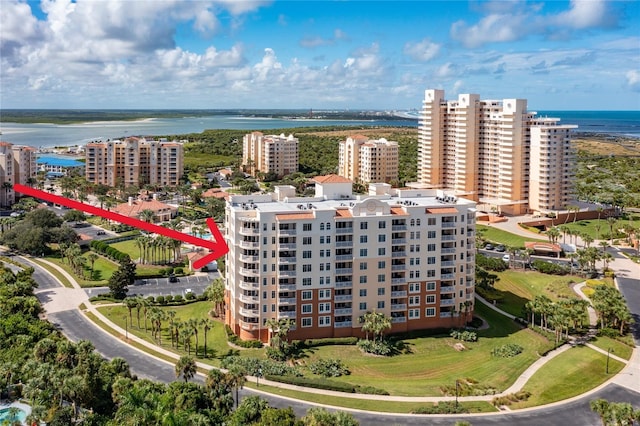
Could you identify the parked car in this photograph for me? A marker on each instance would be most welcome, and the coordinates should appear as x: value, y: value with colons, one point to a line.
x: 173, y: 279
x: 506, y: 258
x: 488, y: 246
x: 500, y: 248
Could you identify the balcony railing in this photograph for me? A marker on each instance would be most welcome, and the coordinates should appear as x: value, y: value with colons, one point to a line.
x: 446, y: 314
x: 398, y: 254
x: 250, y: 259
x: 344, y: 257
x: 251, y: 313
x: 249, y: 299
x: 447, y: 250
x: 447, y: 302
x: 282, y: 246
x: 398, y: 267
x: 249, y: 326
x: 343, y: 311
x: 289, y: 287
x: 344, y: 271
x: 399, y: 228
x: 402, y: 293
x: 447, y: 276
x: 344, y: 284
x: 399, y: 307
x: 343, y: 298
x: 343, y: 324
x: 344, y: 230
x: 399, y: 241
x: 249, y: 231
x: 447, y: 289
x: 398, y: 319
x: 448, y: 224
x: 287, y: 273
x: 344, y: 243
x: 448, y: 238
x: 288, y: 314
x: 287, y: 231
x: 249, y: 244
x: 248, y: 286
x: 287, y: 301
x: 398, y: 280
x: 287, y: 259
x: 249, y: 272
x: 447, y: 263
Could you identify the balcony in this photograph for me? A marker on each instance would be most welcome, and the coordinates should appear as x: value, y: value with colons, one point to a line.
x: 447, y: 302
x: 249, y: 299
x: 448, y: 263
x: 398, y: 254
x: 398, y: 319
x: 448, y: 238
x: 399, y: 241
x: 249, y: 272
x: 399, y: 228
x: 249, y: 231
x: 286, y: 246
x: 249, y: 244
x: 344, y: 257
x: 399, y: 307
x: 447, y: 289
x: 287, y: 232
x: 398, y: 267
x: 287, y: 259
x: 343, y: 298
x: 343, y: 324
x: 398, y: 280
x: 249, y: 259
x: 401, y: 293
x: 447, y: 276
x: 249, y: 326
x: 448, y: 224
x: 287, y: 273
x: 287, y: 301
x: 344, y: 243
x: 344, y: 271
x: 250, y: 313
x: 343, y: 311
x: 248, y: 286
x: 288, y: 314
x: 446, y: 314
x: 286, y: 287
x: 344, y: 284
x: 344, y: 230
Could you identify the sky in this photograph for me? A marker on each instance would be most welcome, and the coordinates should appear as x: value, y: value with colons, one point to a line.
x: 343, y: 54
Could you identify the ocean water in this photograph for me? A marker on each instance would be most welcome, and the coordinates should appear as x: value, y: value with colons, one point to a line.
x: 49, y: 135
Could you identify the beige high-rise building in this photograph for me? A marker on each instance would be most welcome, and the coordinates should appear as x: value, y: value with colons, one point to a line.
x: 327, y: 260
x: 17, y: 165
x: 134, y: 161
x: 269, y: 154
x: 483, y: 150
x: 368, y: 161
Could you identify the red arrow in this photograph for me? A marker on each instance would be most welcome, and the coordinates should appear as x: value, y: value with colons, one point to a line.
x: 218, y: 247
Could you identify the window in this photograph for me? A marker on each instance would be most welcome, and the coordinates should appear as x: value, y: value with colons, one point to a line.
x: 328, y: 239
x: 418, y: 235
x: 264, y: 240
x: 431, y: 221
x: 264, y: 254
x: 431, y: 260
x: 324, y: 294
x: 431, y: 273
x: 381, y: 251
x: 417, y: 248
x: 306, y: 281
x: 306, y: 227
x: 306, y: 322
x: 363, y: 266
x: 307, y: 254
x: 412, y: 222
x: 414, y: 313
x: 417, y: 222
x: 382, y: 264
x: 431, y: 299
x: 380, y: 304
x: 306, y: 268
x: 307, y: 308
x: 430, y: 312
x: 414, y: 300
x: 380, y: 291
x: 363, y: 239
x: 431, y: 286
x: 264, y: 308
x: 306, y: 295
x: 382, y: 238
x: 324, y: 307
x: 382, y: 278
x: 328, y: 252
x: 363, y: 279
x: 364, y: 225
x: 327, y: 280
x: 363, y: 292
x: 328, y: 226
x: 327, y: 266
x: 306, y: 241
x: 363, y: 306
x: 322, y: 226
x: 363, y: 252
x: 322, y: 266
x: 322, y: 240
x: 382, y: 224
x: 414, y: 287
x: 431, y: 234
x: 431, y: 247
x: 324, y: 321
x: 273, y: 294
x: 321, y: 280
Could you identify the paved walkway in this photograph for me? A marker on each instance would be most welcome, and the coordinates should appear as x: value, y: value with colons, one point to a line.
x: 63, y: 298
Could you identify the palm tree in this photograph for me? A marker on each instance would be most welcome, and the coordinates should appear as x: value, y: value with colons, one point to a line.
x: 553, y: 234
x: 376, y: 323
x: 147, y: 215
x: 601, y: 407
x: 92, y: 259
x: 186, y: 367
x: 236, y: 377
x: 130, y: 303
x: 207, y: 325
x: 194, y: 324
x: 611, y: 221
x: 7, y: 186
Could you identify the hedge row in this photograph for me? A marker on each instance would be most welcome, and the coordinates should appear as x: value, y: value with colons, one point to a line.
x: 248, y: 344
x: 109, y: 251
x: 316, y: 383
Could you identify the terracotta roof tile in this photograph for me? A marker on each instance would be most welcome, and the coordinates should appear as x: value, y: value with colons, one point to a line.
x: 140, y: 205
x: 399, y: 211
x: 343, y: 213
x: 295, y: 216
x: 442, y: 210
x: 333, y: 178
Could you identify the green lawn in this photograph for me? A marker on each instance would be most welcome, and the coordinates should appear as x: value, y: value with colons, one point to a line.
x: 619, y: 349
x: 499, y: 236
x: 518, y: 287
x: 588, y: 227
x: 432, y: 363
x: 103, y: 268
x: 569, y: 374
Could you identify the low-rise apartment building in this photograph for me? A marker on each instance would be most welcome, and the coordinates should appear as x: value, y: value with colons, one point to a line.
x: 325, y: 261
x: 269, y: 154
x: 134, y: 162
x: 368, y: 161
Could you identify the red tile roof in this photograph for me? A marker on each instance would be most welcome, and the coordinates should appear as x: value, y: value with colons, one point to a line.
x: 294, y: 216
x: 215, y: 193
x: 343, y: 213
x: 140, y: 205
x: 399, y: 211
x: 442, y: 210
x: 331, y: 179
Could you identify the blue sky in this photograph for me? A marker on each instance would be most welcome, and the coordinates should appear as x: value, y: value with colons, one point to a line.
x: 560, y: 55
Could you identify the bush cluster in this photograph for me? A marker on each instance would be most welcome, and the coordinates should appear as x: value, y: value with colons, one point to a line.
x: 445, y: 407
x: 370, y: 390
x: 468, y: 387
x: 331, y: 341
x: 254, y: 365
x: 507, y: 351
x: 549, y: 268
x: 239, y: 342
x: 317, y: 383
x: 109, y: 251
x: 464, y: 335
x: 329, y: 368
x: 383, y: 348
x: 511, y: 398
x: 490, y: 263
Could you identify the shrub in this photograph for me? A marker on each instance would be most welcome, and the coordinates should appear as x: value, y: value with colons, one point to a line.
x: 445, y: 407
x: 329, y: 368
x: 507, y: 351
x: 178, y: 298
x: 161, y: 300
x: 465, y: 336
x: 331, y: 341
x: 594, y: 283
x: 490, y: 263
x: 511, y: 398
x: 370, y: 390
x: 253, y: 365
x: 549, y: 268
x: 316, y: 383
x: 249, y: 344
x: 151, y: 299
x: 178, y: 270
x: 383, y: 348
x: 190, y: 296
x: 168, y: 298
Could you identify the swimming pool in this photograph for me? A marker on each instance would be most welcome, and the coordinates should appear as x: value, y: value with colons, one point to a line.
x: 6, y: 415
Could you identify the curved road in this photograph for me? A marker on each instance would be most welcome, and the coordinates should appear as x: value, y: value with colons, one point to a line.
x: 75, y: 326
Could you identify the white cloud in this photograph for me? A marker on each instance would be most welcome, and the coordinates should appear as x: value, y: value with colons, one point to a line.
x: 492, y: 28
x: 587, y: 14
x: 311, y: 42
x: 633, y: 80
x: 421, y: 51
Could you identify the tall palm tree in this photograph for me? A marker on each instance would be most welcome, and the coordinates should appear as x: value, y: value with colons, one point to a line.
x: 92, y: 259
x: 612, y: 222
x: 186, y: 367
x: 207, y: 325
x: 147, y: 215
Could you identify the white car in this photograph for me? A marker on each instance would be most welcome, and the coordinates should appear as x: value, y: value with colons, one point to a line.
x: 506, y: 258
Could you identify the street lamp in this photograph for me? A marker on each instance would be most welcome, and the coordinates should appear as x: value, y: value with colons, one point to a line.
x: 126, y: 329
x: 609, y: 351
x: 258, y: 375
x: 457, y: 387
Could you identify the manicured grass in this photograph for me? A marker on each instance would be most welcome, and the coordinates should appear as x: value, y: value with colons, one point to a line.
x: 519, y: 287
x: 103, y: 268
x: 619, y: 349
x: 499, y: 236
x: 588, y: 227
x: 569, y: 374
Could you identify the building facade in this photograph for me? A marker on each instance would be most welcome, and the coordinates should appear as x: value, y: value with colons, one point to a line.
x: 368, y: 161
x: 269, y: 154
x: 134, y: 161
x: 17, y: 165
x: 486, y: 150
x: 325, y: 261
